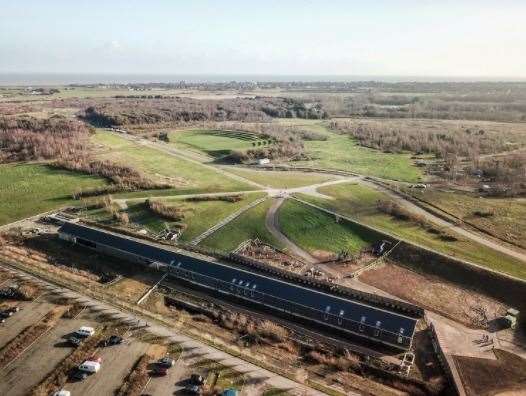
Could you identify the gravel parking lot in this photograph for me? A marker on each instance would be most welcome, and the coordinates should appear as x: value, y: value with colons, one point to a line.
x: 173, y: 383
x: 30, y: 313
x: 39, y: 360
x: 116, y: 365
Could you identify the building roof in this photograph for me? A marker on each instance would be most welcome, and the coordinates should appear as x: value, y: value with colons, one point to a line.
x: 321, y: 301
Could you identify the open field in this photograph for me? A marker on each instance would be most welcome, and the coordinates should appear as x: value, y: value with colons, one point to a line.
x: 198, y: 215
x: 318, y: 232
x: 213, y: 143
x: 360, y: 202
x: 28, y: 189
x: 503, y: 217
x: 187, y: 177
x: 341, y: 152
x: 250, y: 225
x: 279, y: 179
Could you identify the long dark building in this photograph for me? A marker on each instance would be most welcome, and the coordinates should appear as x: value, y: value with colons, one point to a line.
x: 310, y: 305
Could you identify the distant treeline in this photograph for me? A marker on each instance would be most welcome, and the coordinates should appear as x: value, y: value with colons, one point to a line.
x: 145, y: 110
x: 28, y: 138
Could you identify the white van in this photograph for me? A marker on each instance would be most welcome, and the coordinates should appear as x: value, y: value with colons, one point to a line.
x: 85, y: 331
x: 90, y: 367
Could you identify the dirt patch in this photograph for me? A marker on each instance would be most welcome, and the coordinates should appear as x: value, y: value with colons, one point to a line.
x: 434, y: 294
x: 268, y: 254
x: 485, y: 377
x: 129, y: 289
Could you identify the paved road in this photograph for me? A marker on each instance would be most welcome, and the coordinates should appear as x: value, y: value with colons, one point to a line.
x: 272, y: 224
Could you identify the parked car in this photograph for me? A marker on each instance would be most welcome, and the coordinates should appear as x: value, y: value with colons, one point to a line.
x: 113, y: 340
x: 74, y: 341
x: 160, y: 371
x: 197, y: 379
x: 78, y: 375
x: 85, y: 332
x: 166, y: 362
x: 90, y: 367
x: 62, y: 392
x: 12, y: 310
x: 193, y: 389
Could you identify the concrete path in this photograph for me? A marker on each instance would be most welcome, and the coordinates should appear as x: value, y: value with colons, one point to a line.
x: 272, y: 224
x: 190, y: 346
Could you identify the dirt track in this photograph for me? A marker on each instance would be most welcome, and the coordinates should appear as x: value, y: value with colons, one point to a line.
x: 272, y: 224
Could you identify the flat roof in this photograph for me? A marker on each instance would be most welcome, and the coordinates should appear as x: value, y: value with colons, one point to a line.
x: 322, y: 301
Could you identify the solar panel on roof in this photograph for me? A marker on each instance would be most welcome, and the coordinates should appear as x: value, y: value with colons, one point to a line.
x: 300, y: 295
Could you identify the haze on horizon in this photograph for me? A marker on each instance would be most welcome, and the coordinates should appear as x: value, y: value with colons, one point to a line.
x: 291, y: 37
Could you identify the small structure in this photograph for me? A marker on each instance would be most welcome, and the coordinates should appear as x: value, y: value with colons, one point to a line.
x: 263, y: 161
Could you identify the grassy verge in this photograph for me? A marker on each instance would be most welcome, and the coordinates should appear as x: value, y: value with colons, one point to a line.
x: 188, y: 177
x: 503, y: 217
x: 279, y: 179
x: 250, y: 225
x: 314, y: 230
x: 28, y: 189
x: 359, y: 202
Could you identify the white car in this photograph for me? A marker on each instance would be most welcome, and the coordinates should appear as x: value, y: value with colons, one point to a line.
x: 85, y: 331
x: 90, y: 367
x: 62, y: 393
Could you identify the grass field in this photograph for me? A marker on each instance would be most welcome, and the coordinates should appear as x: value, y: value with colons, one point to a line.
x: 359, y: 202
x: 314, y: 230
x: 188, y: 177
x: 506, y: 217
x: 214, y: 143
x: 343, y: 153
x: 28, y: 189
x: 199, y: 216
x: 279, y: 179
x: 250, y: 225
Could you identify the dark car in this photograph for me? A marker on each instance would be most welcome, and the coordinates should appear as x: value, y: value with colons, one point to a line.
x: 113, y: 340
x: 166, y: 362
x: 193, y: 389
x: 159, y: 371
x: 74, y: 341
x: 197, y: 379
x: 78, y: 375
x: 12, y: 310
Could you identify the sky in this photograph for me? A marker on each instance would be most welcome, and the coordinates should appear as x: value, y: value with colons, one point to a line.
x: 284, y: 37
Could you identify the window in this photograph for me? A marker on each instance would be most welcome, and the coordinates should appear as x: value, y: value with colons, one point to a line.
x: 401, y: 330
x: 378, y: 323
x: 362, y: 320
x: 376, y: 333
x: 400, y: 339
x: 361, y: 328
